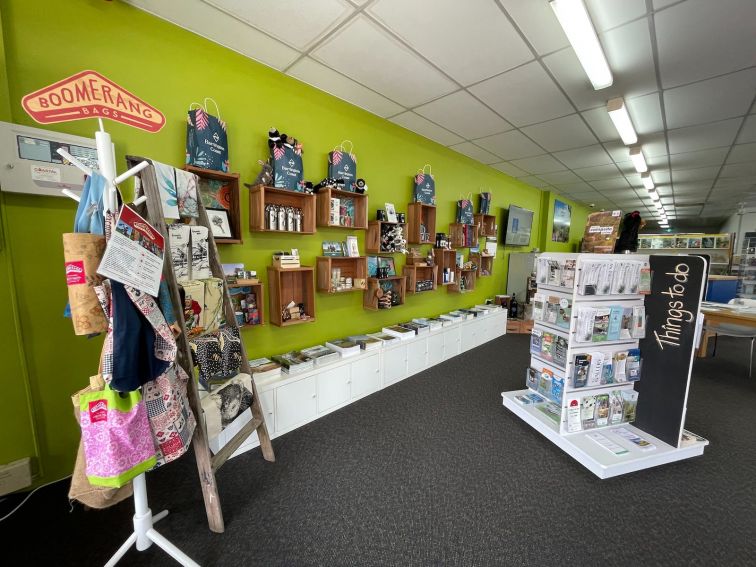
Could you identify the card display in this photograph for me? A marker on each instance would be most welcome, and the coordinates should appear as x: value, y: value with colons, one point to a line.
x: 615, y: 322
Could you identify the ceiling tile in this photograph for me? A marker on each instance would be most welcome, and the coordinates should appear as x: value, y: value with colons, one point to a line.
x: 365, y: 52
x: 477, y: 153
x: 559, y: 177
x: 598, y: 172
x: 613, y: 183
x: 702, y: 158
x: 539, y: 164
x: 732, y: 183
x: 698, y: 39
x: 539, y: 24
x: 599, y: 121
x: 510, y: 145
x: 533, y: 181
x: 740, y: 170
x: 524, y: 95
x: 460, y: 112
x: 328, y: 80
x: 584, y: 157
x: 710, y: 100
x: 645, y: 112
x: 607, y: 14
x: 627, y: 168
x: 688, y: 187
x: 561, y: 134
x: 748, y: 133
x: 703, y: 137
x: 659, y: 176
x: 509, y: 169
x: 742, y: 153
x: 696, y: 174
x: 296, y: 23
x: 470, y: 44
x: 209, y: 22
x: 575, y: 188
x: 426, y: 128
x: 659, y: 4
x: 618, y: 151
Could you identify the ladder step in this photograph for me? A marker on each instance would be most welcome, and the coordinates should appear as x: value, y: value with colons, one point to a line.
x: 234, y: 443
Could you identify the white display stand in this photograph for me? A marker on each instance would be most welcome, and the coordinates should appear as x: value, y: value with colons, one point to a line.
x: 602, y: 462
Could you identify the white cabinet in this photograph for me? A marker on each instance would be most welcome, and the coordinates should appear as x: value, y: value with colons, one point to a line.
x: 483, y: 330
x: 268, y: 406
x: 366, y: 375
x: 452, y: 342
x: 394, y: 364
x: 296, y: 403
x: 333, y: 387
x: 435, y: 348
x: 469, y: 335
x: 417, y: 354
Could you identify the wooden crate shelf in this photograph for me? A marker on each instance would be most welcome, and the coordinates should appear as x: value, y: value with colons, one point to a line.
x: 486, y: 225
x: 469, y: 275
x: 225, y: 190
x: 444, y: 258
x: 398, y: 286
x: 291, y: 284
x: 463, y: 235
x: 419, y: 272
x: 258, y: 289
x: 354, y: 267
x: 360, y: 201
x: 484, y: 263
x: 420, y: 214
x: 261, y: 195
x: 373, y: 241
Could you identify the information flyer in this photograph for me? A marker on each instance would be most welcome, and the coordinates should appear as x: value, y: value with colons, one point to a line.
x: 134, y: 255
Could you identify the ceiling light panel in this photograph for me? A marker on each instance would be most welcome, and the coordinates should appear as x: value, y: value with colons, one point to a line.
x: 621, y: 119
x: 648, y: 183
x: 639, y: 161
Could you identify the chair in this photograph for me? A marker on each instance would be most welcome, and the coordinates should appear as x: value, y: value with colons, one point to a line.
x: 730, y: 330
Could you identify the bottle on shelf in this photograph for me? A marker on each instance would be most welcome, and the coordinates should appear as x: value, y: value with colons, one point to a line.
x: 513, y: 308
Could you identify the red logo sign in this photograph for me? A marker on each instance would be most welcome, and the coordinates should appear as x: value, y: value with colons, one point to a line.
x: 98, y: 411
x: 75, y: 273
x: 90, y: 95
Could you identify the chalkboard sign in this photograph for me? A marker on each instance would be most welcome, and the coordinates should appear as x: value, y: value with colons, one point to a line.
x: 677, y: 284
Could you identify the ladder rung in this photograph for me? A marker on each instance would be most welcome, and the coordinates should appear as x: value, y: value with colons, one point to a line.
x: 234, y: 443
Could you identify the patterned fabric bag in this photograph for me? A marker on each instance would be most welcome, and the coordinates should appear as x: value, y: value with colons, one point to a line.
x: 465, y: 211
x: 217, y: 355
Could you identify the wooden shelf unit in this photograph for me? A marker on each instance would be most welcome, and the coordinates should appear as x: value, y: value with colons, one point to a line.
x: 373, y: 240
x: 486, y: 225
x: 457, y: 235
x: 291, y: 284
x: 421, y: 214
x: 484, y: 263
x: 259, y: 290
x: 261, y: 195
x: 469, y: 274
x: 370, y: 297
x: 444, y: 258
x: 231, y: 204
x: 354, y: 267
x: 360, y: 201
x: 418, y: 272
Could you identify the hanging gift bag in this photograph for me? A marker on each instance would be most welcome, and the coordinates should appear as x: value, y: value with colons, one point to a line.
x: 342, y: 164
x: 465, y: 211
x: 424, y: 190
x: 206, y: 138
x: 287, y: 167
x: 485, y: 202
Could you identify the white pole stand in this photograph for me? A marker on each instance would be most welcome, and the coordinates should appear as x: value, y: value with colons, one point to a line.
x: 144, y: 534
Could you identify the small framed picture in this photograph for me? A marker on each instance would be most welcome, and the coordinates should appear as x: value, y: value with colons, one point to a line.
x: 331, y: 248
x: 390, y: 212
x: 372, y: 266
x: 295, y: 252
x: 219, y: 223
x: 387, y: 262
x: 352, y: 248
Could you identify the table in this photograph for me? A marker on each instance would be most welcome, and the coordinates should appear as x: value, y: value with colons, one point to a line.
x: 723, y: 313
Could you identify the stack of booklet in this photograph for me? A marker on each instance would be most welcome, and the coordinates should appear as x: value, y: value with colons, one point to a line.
x: 366, y: 342
x: 385, y: 338
x: 321, y: 354
x: 402, y: 333
x: 294, y: 362
x: 264, y: 368
x: 344, y: 346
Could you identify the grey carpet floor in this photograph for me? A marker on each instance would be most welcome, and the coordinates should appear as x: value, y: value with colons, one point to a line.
x: 435, y: 471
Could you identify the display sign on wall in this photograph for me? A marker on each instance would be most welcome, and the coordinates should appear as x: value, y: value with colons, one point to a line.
x: 560, y: 231
x: 90, y: 95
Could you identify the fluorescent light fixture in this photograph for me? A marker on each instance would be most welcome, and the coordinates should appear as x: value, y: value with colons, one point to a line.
x: 618, y: 113
x: 648, y: 183
x: 654, y: 195
x: 636, y: 155
x: 659, y: 206
x: 576, y: 23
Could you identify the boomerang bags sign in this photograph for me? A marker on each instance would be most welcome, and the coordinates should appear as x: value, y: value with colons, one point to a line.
x: 90, y: 95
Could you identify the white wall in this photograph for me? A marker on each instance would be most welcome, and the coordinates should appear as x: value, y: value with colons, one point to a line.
x: 733, y: 224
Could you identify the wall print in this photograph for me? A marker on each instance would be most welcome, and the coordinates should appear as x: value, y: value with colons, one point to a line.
x: 219, y: 223
x: 561, y: 227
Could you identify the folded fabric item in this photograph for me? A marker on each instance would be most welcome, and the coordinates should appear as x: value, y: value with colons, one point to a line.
x: 217, y: 355
x: 89, y: 215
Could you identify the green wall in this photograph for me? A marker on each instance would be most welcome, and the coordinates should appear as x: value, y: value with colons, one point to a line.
x: 169, y: 67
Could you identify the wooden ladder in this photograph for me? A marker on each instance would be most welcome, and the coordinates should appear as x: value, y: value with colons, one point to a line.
x: 207, y: 464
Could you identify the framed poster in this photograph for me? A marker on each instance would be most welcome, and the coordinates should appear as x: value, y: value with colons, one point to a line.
x: 560, y: 231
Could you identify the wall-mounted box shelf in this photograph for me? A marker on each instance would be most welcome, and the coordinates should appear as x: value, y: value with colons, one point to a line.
x: 331, y: 218
x: 377, y: 287
x: 484, y: 262
x: 486, y: 225
x: 257, y: 289
x: 444, y: 258
x: 463, y: 235
x: 354, y: 267
x: 260, y: 196
x: 416, y: 273
x: 376, y: 230
x: 291, y: 284
x: 421, y: 223
x: 219, y: 190
x: 468, y: 275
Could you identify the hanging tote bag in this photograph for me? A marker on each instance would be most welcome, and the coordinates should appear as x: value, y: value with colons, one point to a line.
x: 424, y: 190
x: 465, y: 211
x: 116, y: 436
x: 485, y: 202
x: 206, y: 138
x: 342, y: 164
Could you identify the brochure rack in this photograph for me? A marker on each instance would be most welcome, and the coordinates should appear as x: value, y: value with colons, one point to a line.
x: 583, y: 444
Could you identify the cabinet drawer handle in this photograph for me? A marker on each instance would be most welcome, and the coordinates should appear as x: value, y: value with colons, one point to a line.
x: 314, y: 395
x: 377, y: 370
x: 349, y: 381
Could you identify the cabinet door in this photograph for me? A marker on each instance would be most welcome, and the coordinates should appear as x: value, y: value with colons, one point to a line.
x: 483, y: 330
x: 296, y: 403
x: 366, y: 376
x: 500, y: 324
x: 394, y: 364
x: 417, y: 354
x: 268, y: 406
x: 333, y: 387
x: 452, y: 342
x: 435, y: 348
x: 469, y: 336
